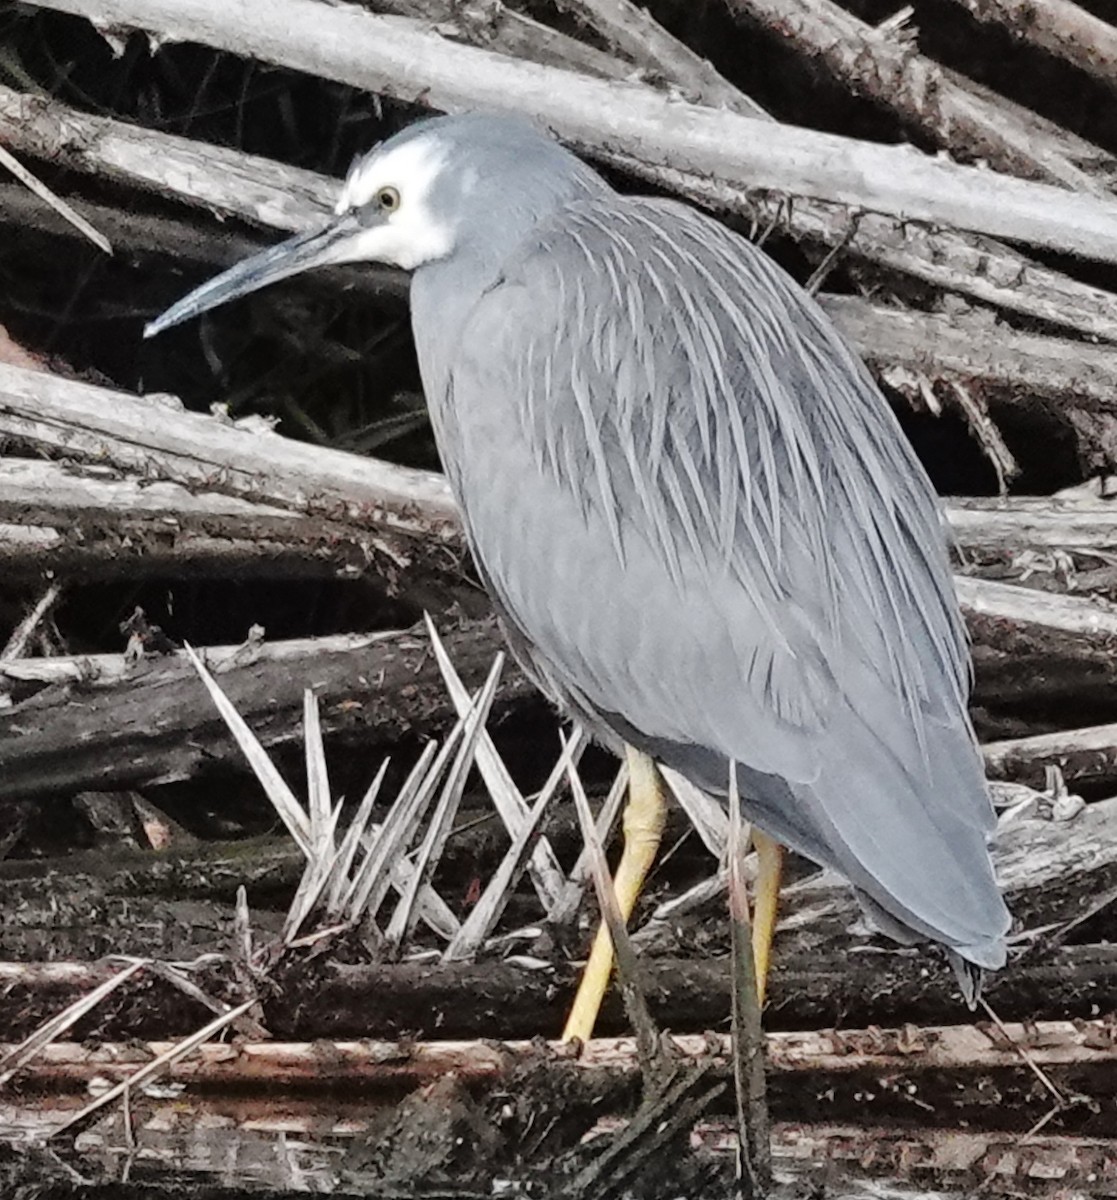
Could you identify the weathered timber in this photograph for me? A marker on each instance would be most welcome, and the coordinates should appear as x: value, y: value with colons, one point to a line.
x: 162, y: 726
x: 406, y: 60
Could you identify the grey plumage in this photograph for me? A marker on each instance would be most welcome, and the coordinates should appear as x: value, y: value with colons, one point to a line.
x: 702, y: 526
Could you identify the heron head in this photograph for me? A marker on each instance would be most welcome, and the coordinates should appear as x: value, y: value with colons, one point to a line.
x: 443, y: 187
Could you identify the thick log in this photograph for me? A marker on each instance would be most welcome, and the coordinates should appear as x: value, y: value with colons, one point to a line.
x: 942, y: 348
x: 828, y: 969
x: 163, y: 726
x: 859, y: 1161
x: 95, y: 523
x: 371, y: 1064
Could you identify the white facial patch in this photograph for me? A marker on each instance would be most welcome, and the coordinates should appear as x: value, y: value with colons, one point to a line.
x: 409, y: 236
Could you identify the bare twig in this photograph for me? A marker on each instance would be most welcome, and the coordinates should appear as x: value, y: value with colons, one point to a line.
x: 546, y: 875
x: 19, y: 1056
x: 164, y: 1060
x: 16, y: 645
x: 9, y: 160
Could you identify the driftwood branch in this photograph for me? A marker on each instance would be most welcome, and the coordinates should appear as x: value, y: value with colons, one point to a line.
x: 828, y: 968
x: 410, y: 62
x: 278, y: 196
x: 1084, y: 755
x: 884, y: 64
x: 370, y: 1064
x: 1020, y: 366
x: 88, y: 522
x: 162, y: 725
x: 405, y: 518
x: 636, y: 34
x: 1059, y: 27
x: 408, y: 514
x: 818, y: 988
x: 502, y: 28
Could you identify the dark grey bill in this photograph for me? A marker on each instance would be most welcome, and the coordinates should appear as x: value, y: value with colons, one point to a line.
x: 297, y: 254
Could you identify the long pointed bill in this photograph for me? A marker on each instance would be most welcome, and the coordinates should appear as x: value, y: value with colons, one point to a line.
x: 300, y: 253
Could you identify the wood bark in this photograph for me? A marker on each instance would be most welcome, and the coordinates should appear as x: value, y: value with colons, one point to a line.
x: 85, y: 522
x: 162, y: 726
x: 210, y: 1132
x: 828, y: 970
x: 372, y: 1064
x: 809, y: 991
x: 409, y: 62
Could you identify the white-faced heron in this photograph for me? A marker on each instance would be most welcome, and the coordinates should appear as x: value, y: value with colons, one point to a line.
x: 703, y: 529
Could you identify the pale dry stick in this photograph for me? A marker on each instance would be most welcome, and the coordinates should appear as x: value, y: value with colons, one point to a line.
x: 1033, y: 606
x: 967, y: 120
x: 754, y: 1142
x: 316, y: 875
x: 1025, y: 1057
x: 514, y: 33
x: 108, y: 670
x: 344, y: 874
x: 1096, y: 745
x: 494, y: 899
x: 635, y: 33
x: 146, y: 435
x: 386, y: 844
x: 50, y: 1031
x: 283, y: 800
x: 278, y: 196
x: 546, y: 875
x: 410, y: 62
x: 1061, y: 28
x: 708, y: 817
x: 629, y: 975
x: 1057, y: 371
x: 571, y: 898
x: 176, y: 978
x: 64, y: 210
x: 969, y: 1050
x: 399, y: 874
x: 438, y: 831
x: 25, y: 630
x: 154, y: 1068
x: 317, y: 779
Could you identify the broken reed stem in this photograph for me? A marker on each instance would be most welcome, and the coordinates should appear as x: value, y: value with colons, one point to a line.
x: 628, y: 969
x: 754, y: 1148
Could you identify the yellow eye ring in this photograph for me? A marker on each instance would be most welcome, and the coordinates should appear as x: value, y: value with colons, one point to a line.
x: 388, y: 199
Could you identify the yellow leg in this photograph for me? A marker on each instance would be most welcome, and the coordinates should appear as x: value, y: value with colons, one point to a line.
x: 644, y: 818
x: 770, y: 867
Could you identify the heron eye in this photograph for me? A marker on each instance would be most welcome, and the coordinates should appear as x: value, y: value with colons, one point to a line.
x: 387, y: 199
